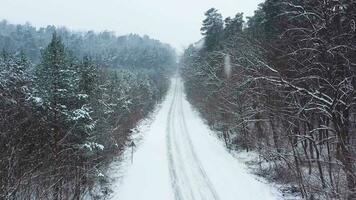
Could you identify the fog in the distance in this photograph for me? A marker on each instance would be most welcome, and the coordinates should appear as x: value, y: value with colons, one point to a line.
x: 175, y: 22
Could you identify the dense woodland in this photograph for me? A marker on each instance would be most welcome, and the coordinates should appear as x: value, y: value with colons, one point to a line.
x: 67, y: 103
x: 283, y: 84
x: 105, y: 48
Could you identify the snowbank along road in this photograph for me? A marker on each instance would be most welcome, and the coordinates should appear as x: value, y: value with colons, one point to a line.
x: 179, y: 159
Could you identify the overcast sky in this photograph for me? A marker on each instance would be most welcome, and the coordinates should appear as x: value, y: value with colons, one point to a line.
x: 176, y: 22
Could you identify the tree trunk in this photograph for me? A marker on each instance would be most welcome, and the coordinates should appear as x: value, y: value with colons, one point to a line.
x: 275, y: 135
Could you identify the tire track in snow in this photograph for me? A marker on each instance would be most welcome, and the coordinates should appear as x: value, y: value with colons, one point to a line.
x: 188, y: 177
x: 183, y: 165
x: 202, y: 174
x: 173, y: 163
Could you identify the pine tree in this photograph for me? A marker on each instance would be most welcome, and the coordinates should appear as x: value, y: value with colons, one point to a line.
x: 233, y: 26
x: 55, y: 80
x: 212, y: 29
x: 87, y: 71
x: 85, y: 100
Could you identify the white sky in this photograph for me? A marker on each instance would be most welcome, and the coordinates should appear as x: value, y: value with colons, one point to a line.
x: 176, y: 22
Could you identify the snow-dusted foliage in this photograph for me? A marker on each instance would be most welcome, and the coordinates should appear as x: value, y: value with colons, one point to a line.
x: 291, y: 92
x: 107, y: 49
x: 63, y: 119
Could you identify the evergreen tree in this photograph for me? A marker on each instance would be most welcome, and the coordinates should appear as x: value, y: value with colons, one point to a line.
x: 57, y: 118
x: 212, y: 29
x: 88, y: 73
x: 233, y: 26
x: 55, y: 80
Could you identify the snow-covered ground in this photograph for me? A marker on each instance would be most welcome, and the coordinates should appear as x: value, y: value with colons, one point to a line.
x: 180, y: 159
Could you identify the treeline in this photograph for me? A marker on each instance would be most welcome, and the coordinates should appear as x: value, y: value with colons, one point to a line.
x: 283, y: 84
x: 130, y: 51
x: 63, y: 119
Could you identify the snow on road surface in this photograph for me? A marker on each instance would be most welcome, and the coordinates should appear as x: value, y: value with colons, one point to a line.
x: 179, y: 160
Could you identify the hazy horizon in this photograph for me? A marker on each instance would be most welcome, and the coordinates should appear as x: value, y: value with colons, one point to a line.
x: 174, y: 22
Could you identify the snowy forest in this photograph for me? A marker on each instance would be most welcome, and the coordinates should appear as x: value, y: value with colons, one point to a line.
x: 68, y: 101
x: 282, y: 83
x: 262, y: 107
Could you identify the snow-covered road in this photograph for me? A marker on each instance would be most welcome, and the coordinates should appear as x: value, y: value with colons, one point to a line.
x: 179, y: 159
